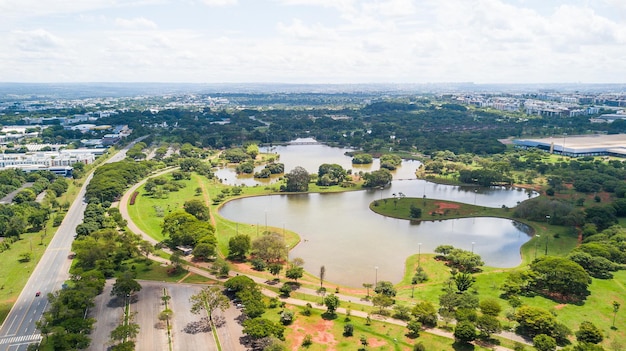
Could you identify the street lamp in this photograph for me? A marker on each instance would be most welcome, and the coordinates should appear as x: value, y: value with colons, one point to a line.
x: 563, y: 151
x: 419, y: 253
x: 536, y: 243
x: 376, y: 277
x: 546, y: 252
x: 475, y: 193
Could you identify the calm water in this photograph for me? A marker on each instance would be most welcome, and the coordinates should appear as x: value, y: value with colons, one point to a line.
x: 341, y: 233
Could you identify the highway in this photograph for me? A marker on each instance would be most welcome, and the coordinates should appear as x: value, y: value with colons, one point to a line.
x: 18, y: 329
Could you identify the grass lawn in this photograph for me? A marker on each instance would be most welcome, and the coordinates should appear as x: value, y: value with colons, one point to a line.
x: 15, y: 274
x: 327, y: 334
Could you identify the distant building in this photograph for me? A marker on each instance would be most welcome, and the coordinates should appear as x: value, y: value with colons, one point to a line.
x: 577, y: 146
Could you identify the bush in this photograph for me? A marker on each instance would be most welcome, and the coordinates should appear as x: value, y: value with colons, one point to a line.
x: 348, y: 329
x: 286, y: 317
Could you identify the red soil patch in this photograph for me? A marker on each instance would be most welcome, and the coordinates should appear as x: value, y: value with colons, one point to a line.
x: 319, y: 334
x: 373, y: 342
x: 447, y: 205
x: 560, y: 306
x: 443, y: 206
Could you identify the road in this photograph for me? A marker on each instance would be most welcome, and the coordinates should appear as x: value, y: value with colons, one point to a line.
x: 18, y: 329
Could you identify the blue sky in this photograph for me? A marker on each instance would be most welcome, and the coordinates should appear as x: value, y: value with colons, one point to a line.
x: 313, y: 41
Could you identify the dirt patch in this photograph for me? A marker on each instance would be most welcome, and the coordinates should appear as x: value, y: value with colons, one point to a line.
x: 444, y: 207
x: 560, y: 306
x: 447, y: 205
x: 373, y: 342
x: 319, y: 332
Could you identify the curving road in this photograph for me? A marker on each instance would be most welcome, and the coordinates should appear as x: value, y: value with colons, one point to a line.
x: 18, y: 329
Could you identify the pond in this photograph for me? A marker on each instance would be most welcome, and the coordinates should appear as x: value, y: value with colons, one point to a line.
x: 357, y: 246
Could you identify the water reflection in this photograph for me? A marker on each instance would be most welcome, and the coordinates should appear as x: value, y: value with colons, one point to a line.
x: 341, y: 233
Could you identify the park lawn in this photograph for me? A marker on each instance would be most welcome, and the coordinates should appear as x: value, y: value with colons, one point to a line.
x: 144, y: 212
x: 15, y: 274
x: 155, y: 271
x: 327, y: 334
x: 597, y: 308
x: 433, y: 209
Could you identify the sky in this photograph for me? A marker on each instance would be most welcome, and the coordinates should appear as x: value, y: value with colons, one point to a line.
x: 313, y: 41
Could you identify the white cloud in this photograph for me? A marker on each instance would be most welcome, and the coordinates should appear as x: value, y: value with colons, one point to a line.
x: 36, y: 40
x: 135, y: 23
x: 219, y: 3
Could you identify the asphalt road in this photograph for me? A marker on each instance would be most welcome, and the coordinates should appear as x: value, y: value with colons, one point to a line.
x: 18, y: 329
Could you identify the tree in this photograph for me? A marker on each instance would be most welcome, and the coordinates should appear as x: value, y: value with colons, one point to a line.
x: 198, y: 209
x: 203, y: 251
x: 490, y: 307
x: 402, y: 312
x: 385, y: 288
x: 275, y: 268
x: 238, y: 247
x: 463, y: 281
x: 125, y: 285
x: 367, y: 286
x: 125, y: 331
x: 209, y: 299
x: 240, y: 283
x: 332, y: 303
x: 330, y: 174
x: 286, y: 317
x: 382, y: 301
x: 488, y: 324
x: 535, y: 320
x: 270, y: 248
x: 543, y: 342
x: 258, y: 328
x: 297, y: 180
x: 425, y: 313
x: 465, y: 331
x: 348, y: 329
x: 414, y: 328
x: 294, y: 272
x: 560, y: 275
x: 377, y: 178
x: 616, y: 306
x: 589, y: 333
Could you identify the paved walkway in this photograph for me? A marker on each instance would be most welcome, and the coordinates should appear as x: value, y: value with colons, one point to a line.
x: 290, y: 300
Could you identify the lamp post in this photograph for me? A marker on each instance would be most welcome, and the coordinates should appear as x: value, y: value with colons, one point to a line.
x: 376, y: 277
x: 537, y: 243
x: 563, y: 151
x: 419, y: 254
x: 475, y: 193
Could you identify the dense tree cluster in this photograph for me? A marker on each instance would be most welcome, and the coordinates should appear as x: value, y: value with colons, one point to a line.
x: 182, y: 229
x: 111, y: 180
x: 330, y: 174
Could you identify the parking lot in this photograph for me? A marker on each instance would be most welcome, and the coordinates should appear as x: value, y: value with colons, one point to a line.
x: 187, y: 329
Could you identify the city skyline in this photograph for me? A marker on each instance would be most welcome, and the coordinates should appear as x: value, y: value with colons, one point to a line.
x: 314, y: 41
